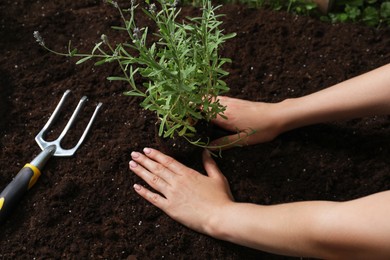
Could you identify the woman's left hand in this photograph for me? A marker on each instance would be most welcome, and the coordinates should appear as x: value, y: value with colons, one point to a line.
x: 186, y: 195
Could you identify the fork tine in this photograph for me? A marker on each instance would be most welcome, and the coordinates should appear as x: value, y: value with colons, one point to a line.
x: 39, y: 137
x: 69, y: 152
x: 72, y: 118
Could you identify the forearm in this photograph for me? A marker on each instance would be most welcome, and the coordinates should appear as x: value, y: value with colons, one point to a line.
x: 286, y: 229
x: 365, y: 95
x: 357, y: 229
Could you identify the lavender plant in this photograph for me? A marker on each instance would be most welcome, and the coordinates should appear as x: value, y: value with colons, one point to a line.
x: 183, y: 68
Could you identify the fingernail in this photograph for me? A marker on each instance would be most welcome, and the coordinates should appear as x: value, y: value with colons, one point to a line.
x: 133, y: 164
x: 137, y: 187
x: 135, y: 155
x: 147, y: 150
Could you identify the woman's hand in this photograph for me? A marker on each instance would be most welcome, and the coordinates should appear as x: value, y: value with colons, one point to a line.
x: 184, y: 194
x: 252, y: 122
x: 256, y: 122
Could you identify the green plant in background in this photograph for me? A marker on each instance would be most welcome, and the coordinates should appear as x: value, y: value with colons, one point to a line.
x: 370, y: 12
x: 183, y: 68
x: 302, y: 7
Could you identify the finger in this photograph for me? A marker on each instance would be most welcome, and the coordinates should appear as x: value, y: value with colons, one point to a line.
x: 165, y: 160
x: 154, y: 198
x: 156, y: 182
x: 223, y: 123
x: 213, y: 171
x: 210, y: 165
x: 152, y: 166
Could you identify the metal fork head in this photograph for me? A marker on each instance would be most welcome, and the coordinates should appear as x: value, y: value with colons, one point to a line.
x: 56, y: 144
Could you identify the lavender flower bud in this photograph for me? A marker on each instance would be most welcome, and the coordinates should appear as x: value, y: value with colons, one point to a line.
x: 104, y: 38
x: 152, y: 8
x: 137, y: 33
x: 39, y: 38
x: 114, y: 3
x: 176, y: 3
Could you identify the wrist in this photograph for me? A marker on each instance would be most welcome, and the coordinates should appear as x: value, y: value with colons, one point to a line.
x: 219, y: 221
x: 285, y: 116
x: 239, y: 223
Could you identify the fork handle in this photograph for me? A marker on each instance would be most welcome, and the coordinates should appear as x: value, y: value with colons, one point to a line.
x: 14, y: 191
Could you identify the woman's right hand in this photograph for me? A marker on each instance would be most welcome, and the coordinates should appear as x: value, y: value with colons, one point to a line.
x: 251, y: 122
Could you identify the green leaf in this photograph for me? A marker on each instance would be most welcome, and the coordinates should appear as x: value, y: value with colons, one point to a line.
x: 352, y: 12
x: 170, y: 131
x: 115, y: 78
x: 370, y: 16
x: 183, y: 131
x: 100, y: 62
x: 83, y: 60
x: 133, y: 93
x: 119, y: 28
x: 73, y: 52
x: 195, y: 114
x: 228, y: 36
x: 162, y: 125
x: 97, y: 46
x: 385, y: 10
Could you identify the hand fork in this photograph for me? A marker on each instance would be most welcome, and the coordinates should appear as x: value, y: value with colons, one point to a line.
x: 30, y: 173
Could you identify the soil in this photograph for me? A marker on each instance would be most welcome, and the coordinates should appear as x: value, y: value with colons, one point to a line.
x: 85, y: 207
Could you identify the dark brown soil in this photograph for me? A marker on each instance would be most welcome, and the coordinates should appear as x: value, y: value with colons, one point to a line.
x: 85, y: 206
